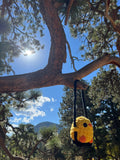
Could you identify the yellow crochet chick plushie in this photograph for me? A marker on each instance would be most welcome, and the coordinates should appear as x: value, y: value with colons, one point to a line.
x: 84, y: 130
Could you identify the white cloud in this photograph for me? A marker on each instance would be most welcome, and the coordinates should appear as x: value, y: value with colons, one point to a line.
x: 31, y: 111
x: 31, y: 114
x: 39, y: 102
x: 15, y: 125
x: 26, y: 120
x: 28, y: 114
x: 53, y: 100
x: 16, y: 120
x: 10, y: 131
x: 51, y: 109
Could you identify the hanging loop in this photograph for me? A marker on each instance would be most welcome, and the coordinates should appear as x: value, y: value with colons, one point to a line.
x: 75, y: 96
x: 83, y: 103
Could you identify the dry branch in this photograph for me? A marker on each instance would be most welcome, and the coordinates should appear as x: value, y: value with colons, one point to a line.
x: 71, y: 57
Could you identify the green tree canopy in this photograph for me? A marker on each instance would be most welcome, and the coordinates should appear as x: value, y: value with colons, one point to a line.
x: 104, y: 94
x: 104, y: 115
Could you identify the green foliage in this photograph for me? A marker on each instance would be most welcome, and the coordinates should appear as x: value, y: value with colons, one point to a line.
x: 54, y: 143
x: 104, y: 86
x: 51, y: 146
x: 47, y: 133
x: 4, y: 26
x: 22, y: 142
x: 104, y: 93
x: 66, y: 105
x: 88, y: 22
x: 8, y: 50
x: 21, y: 27
x: 23, y: 137
x: 19, y: 99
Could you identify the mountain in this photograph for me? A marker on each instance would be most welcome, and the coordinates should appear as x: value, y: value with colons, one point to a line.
x: 45, y: 124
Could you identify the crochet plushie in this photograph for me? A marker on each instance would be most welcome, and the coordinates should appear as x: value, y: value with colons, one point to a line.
x: 84, y: 130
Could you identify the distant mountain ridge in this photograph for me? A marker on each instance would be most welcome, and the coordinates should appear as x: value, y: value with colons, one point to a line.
x: 45, y: 124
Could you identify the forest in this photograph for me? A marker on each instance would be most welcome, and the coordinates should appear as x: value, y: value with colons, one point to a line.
x: 96, y: 23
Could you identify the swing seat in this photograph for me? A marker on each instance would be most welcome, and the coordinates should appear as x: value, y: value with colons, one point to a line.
x: 82, y: 134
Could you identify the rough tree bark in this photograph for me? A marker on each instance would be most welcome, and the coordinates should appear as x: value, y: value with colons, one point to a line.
x: 52, y: 73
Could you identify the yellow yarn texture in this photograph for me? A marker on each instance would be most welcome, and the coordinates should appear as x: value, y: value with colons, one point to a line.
x: 84, y: 130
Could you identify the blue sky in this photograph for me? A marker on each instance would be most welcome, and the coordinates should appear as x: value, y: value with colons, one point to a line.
x: 47, y: 106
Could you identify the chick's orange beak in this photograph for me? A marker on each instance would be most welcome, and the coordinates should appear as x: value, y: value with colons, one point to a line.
x: 90, y: 124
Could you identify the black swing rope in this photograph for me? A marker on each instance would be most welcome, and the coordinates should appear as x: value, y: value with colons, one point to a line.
x: 74, y: 111
x: 83, y: 102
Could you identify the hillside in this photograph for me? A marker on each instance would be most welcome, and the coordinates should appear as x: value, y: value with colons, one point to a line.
x: 45, y: 124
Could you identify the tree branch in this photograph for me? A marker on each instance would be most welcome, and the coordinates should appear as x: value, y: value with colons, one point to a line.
x: 71, y: 57
x: 46, y: 77
x: 35, y: 147
x: 57, y: 54
x: 116, y: 28
x: 68, y: 79
x: 68, y: 10
x: 2, y: 144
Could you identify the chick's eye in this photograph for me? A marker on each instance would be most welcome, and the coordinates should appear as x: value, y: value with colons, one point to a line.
x: 85, y: 124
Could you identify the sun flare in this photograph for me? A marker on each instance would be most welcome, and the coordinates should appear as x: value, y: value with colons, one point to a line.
x: 28, y: 52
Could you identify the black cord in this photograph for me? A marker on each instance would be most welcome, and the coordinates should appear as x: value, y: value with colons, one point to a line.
x: 74, y: 108
x: 83, y: 103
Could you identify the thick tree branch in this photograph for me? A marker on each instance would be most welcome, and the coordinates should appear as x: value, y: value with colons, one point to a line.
x: 57, y: 54
x: 68, y: 79
x: 104, y: 60
x: 45, y: 77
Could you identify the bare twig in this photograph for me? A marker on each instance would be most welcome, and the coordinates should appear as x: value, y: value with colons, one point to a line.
x: 71, y: 57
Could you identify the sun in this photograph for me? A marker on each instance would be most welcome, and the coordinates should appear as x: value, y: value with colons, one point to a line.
x: 28, y: 52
